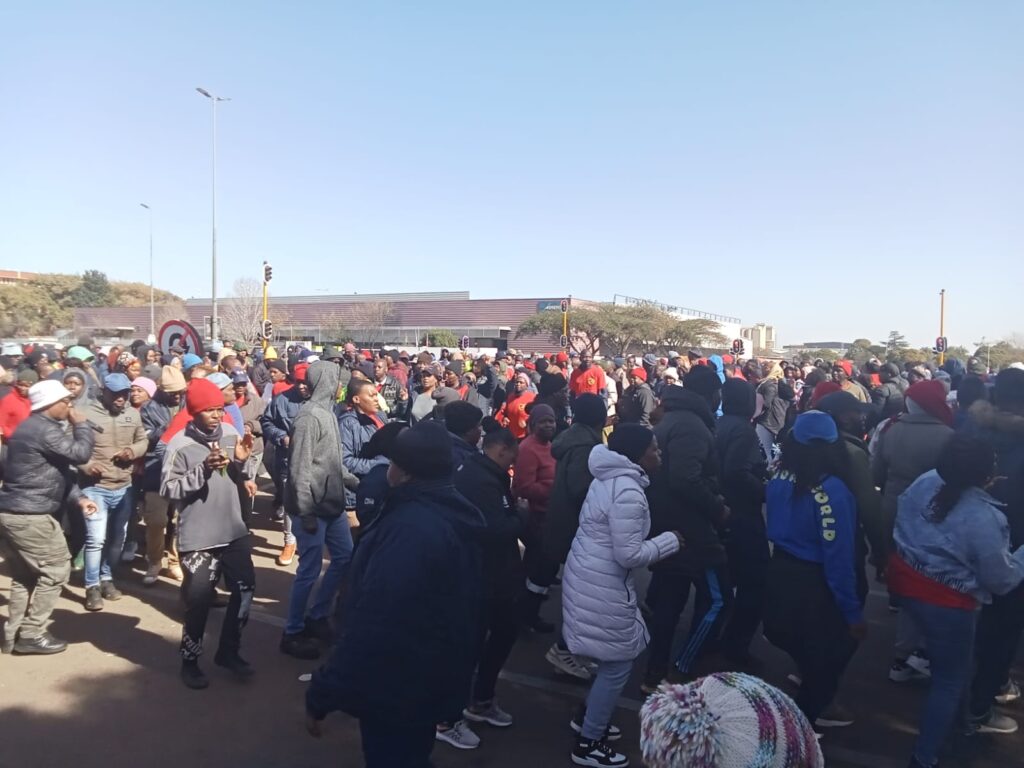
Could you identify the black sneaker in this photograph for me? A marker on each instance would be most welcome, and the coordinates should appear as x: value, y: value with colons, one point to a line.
x: 93, y: 599
x: 319, y: 629
x: 540, y: 626
x: 300, y: 647
x: 233, y: 663
x: 598, y: 754
x: 44, y: 645
x: 109, y: 591
x: 611, y: 733
x: 192, y: 676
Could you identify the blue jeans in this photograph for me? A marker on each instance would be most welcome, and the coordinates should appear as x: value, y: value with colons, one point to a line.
x: 949, y: 637
x: 609, y: 681
x: 105, y: 531
x: 336, y: 535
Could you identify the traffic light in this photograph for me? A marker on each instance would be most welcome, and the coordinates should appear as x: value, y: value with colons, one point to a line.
x: 737, y: 347
x: 464, y: 343
x: 565, y: 306
x: 268, y: 271
x: 268, y: 329
x: 941, y: 344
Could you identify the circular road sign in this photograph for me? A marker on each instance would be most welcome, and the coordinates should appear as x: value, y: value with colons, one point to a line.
x: 182, y: 333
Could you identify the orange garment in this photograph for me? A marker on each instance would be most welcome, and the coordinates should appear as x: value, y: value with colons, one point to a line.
x: 591, y: 381
x: 14, y: 409
x: 513, y: 413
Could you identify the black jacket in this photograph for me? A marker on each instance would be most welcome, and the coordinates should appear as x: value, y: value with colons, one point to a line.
x: 636, y: 405
x: 489, y: 489
x: 42, y: 458
x: 741, y: 464
x: 571, y: 450
x: 408, y: 641
x: 684, y: 495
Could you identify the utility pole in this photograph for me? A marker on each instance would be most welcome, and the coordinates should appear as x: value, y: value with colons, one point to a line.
x: 152, y: 308
x: 942, y: 323
x: 214, y: 330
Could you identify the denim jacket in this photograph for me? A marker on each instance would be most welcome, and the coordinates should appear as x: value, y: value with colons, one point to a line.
x: 968, y: 551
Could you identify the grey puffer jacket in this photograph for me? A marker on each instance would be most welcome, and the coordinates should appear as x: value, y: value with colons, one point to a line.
x: 600, y: 615
x: 42, y: 457
x: 316, y: 474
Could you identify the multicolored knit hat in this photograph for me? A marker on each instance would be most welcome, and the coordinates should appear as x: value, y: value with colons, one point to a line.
x: 727, y: 720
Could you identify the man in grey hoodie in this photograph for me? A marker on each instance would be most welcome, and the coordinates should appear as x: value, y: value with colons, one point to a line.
x: 315, y: 499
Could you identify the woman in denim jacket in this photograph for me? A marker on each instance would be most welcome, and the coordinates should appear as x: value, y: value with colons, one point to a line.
x: 952, y: 554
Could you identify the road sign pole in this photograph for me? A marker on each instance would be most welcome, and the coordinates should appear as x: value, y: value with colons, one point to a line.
x: 942, y: 322
x: 266, y: 290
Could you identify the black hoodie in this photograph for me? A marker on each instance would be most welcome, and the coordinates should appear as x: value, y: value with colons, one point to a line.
x: 741, y: 463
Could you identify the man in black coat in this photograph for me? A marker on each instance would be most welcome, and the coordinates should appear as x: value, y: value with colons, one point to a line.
x: 484, y: 480
x: 408, y: 641
x: 684, y: 497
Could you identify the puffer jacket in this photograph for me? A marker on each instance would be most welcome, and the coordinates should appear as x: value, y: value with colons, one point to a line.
x: 905, y: 450
x: 1004, y: 431
x: 356, y: 429
x: 600, y: 615
x: 684, y: 496
x: 41, y: 461
x: 571, y: 450
x: 156, y: 416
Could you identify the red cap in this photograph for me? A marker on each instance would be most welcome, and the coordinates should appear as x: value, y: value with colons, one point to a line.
x: 640, y: 373
x: 825, y: 388
x: 931, y: 396
x: 561, y: 357
x: 202, y: 395
x: 299, y: 372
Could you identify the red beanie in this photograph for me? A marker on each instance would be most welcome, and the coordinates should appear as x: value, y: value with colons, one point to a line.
x: 640, y: 373
x: 299, y: 372
x: 561, y: 357
x: 846, y: 365
x: 202, y: 395
x: 825, y: 388
x: 931, y: 396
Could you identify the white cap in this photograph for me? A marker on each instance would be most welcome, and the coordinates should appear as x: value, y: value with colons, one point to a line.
x: 670, y: 373
x: 45, y: 393
x: 12, y: 349
x: 1017, y: 366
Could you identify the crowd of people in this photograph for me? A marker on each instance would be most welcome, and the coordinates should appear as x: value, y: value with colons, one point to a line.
x: 477, y: 489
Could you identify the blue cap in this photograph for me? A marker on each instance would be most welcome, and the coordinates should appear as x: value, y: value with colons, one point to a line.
x: 116, y: 382
x: 190, y: 361
x: 219, y: 380
x: 814, y: 425
x: 238, y: 376
x: 215, y: 347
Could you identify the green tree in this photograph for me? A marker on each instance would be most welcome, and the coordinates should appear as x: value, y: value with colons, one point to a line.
x: 999, y: 355
x: 95, y: 290
x: 699, y: 332
x: 439, y: 337
x: 959, y: 352
x: 895, y: 343
x: 827, y: 355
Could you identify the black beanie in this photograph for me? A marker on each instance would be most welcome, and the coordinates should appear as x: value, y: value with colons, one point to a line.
x: 702, y: 380
x: 589, y: 410
x: 424, y: 451
x: 550, y: 383
x: 460, y: 417
x: 1009, y: 389
x: 739, y: 398
x: 542, y: 365
x: 631, y: 440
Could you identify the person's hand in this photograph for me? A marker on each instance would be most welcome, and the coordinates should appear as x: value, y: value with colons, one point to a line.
x: 76, y: 417
x: 93, y: 470
x: 403, y: 393
x: 243, y: 448
x: 859, y: 631
x: 522, y: 506
x: 286, y: 441
x: 124, y: 457
x: 250, y: 488
x: 88, y: 507
x: 248, y: 429
x: 313, y: 727
x: 310, y: 524
x: 216, y: 460
x: 682, y: 541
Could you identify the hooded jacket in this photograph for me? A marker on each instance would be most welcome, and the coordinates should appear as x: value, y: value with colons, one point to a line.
x: 684, y: 494
x: 156, y: 417
x: 1004, y: 431
x: 488, y: 488
x: 571, y: 451
x: 741, y: 463
x: 316, y: 474
x: 41, y: 461
x: 600, y: 615
x: 408, y: 641
x: 637, y: 404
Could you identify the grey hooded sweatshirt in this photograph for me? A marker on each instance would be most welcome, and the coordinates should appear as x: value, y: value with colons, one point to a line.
x: 316, y: 475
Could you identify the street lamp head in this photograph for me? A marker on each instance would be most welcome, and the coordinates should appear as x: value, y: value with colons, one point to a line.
x: 144, y: 206
x: 205, y: 93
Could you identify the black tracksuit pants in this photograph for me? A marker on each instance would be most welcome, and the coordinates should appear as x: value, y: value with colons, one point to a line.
x: 747, y: 547
x: 801, y: 617
x: 995, y: 646
x: 202, y: 570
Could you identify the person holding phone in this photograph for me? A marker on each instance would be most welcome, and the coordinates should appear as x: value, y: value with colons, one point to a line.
x: 203, y: 468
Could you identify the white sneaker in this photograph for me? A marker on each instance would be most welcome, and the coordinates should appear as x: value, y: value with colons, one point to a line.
x: 567, y: 664
x: 460, y: 736
x: 1009, y: 693
x: 488, y: 712
x: 901, y: 671
x: 152, y: 574
x: 597, y: 754
x: 920, y: 663
x: 995, y: 723
x: 130, y: 550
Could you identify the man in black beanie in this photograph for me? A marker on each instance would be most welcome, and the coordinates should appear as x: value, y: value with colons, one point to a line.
x: 405, y: 657
x: 462, y: 420
x: 684, y: 497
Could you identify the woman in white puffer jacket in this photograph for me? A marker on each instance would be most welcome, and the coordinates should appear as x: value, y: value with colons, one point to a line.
x: 600, y: 615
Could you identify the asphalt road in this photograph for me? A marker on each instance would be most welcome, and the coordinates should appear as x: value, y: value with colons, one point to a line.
x: 115, y: 695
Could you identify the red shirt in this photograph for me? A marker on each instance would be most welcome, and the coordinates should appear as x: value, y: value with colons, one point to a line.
x: 534, y: 476
x: 590, y: 381
x: 14, y: 409
x: 513, y: 413
x: 904, y: 580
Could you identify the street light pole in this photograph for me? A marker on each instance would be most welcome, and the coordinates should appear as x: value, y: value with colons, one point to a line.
x: 213, y: 206
x: 152, y: 309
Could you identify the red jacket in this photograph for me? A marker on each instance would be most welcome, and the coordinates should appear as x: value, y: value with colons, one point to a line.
x: 590, y: 381
x: 14, y: 409
x: 534, y: 476
x: 513, y: 413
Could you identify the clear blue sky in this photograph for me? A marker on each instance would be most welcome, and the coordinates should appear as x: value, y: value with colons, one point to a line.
x: 823, y: 166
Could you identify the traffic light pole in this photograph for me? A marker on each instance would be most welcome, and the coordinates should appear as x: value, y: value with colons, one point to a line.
x: 942, y: 323
x: 266, y: 290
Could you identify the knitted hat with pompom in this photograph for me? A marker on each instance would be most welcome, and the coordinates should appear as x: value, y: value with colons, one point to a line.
x: 727, y: 720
